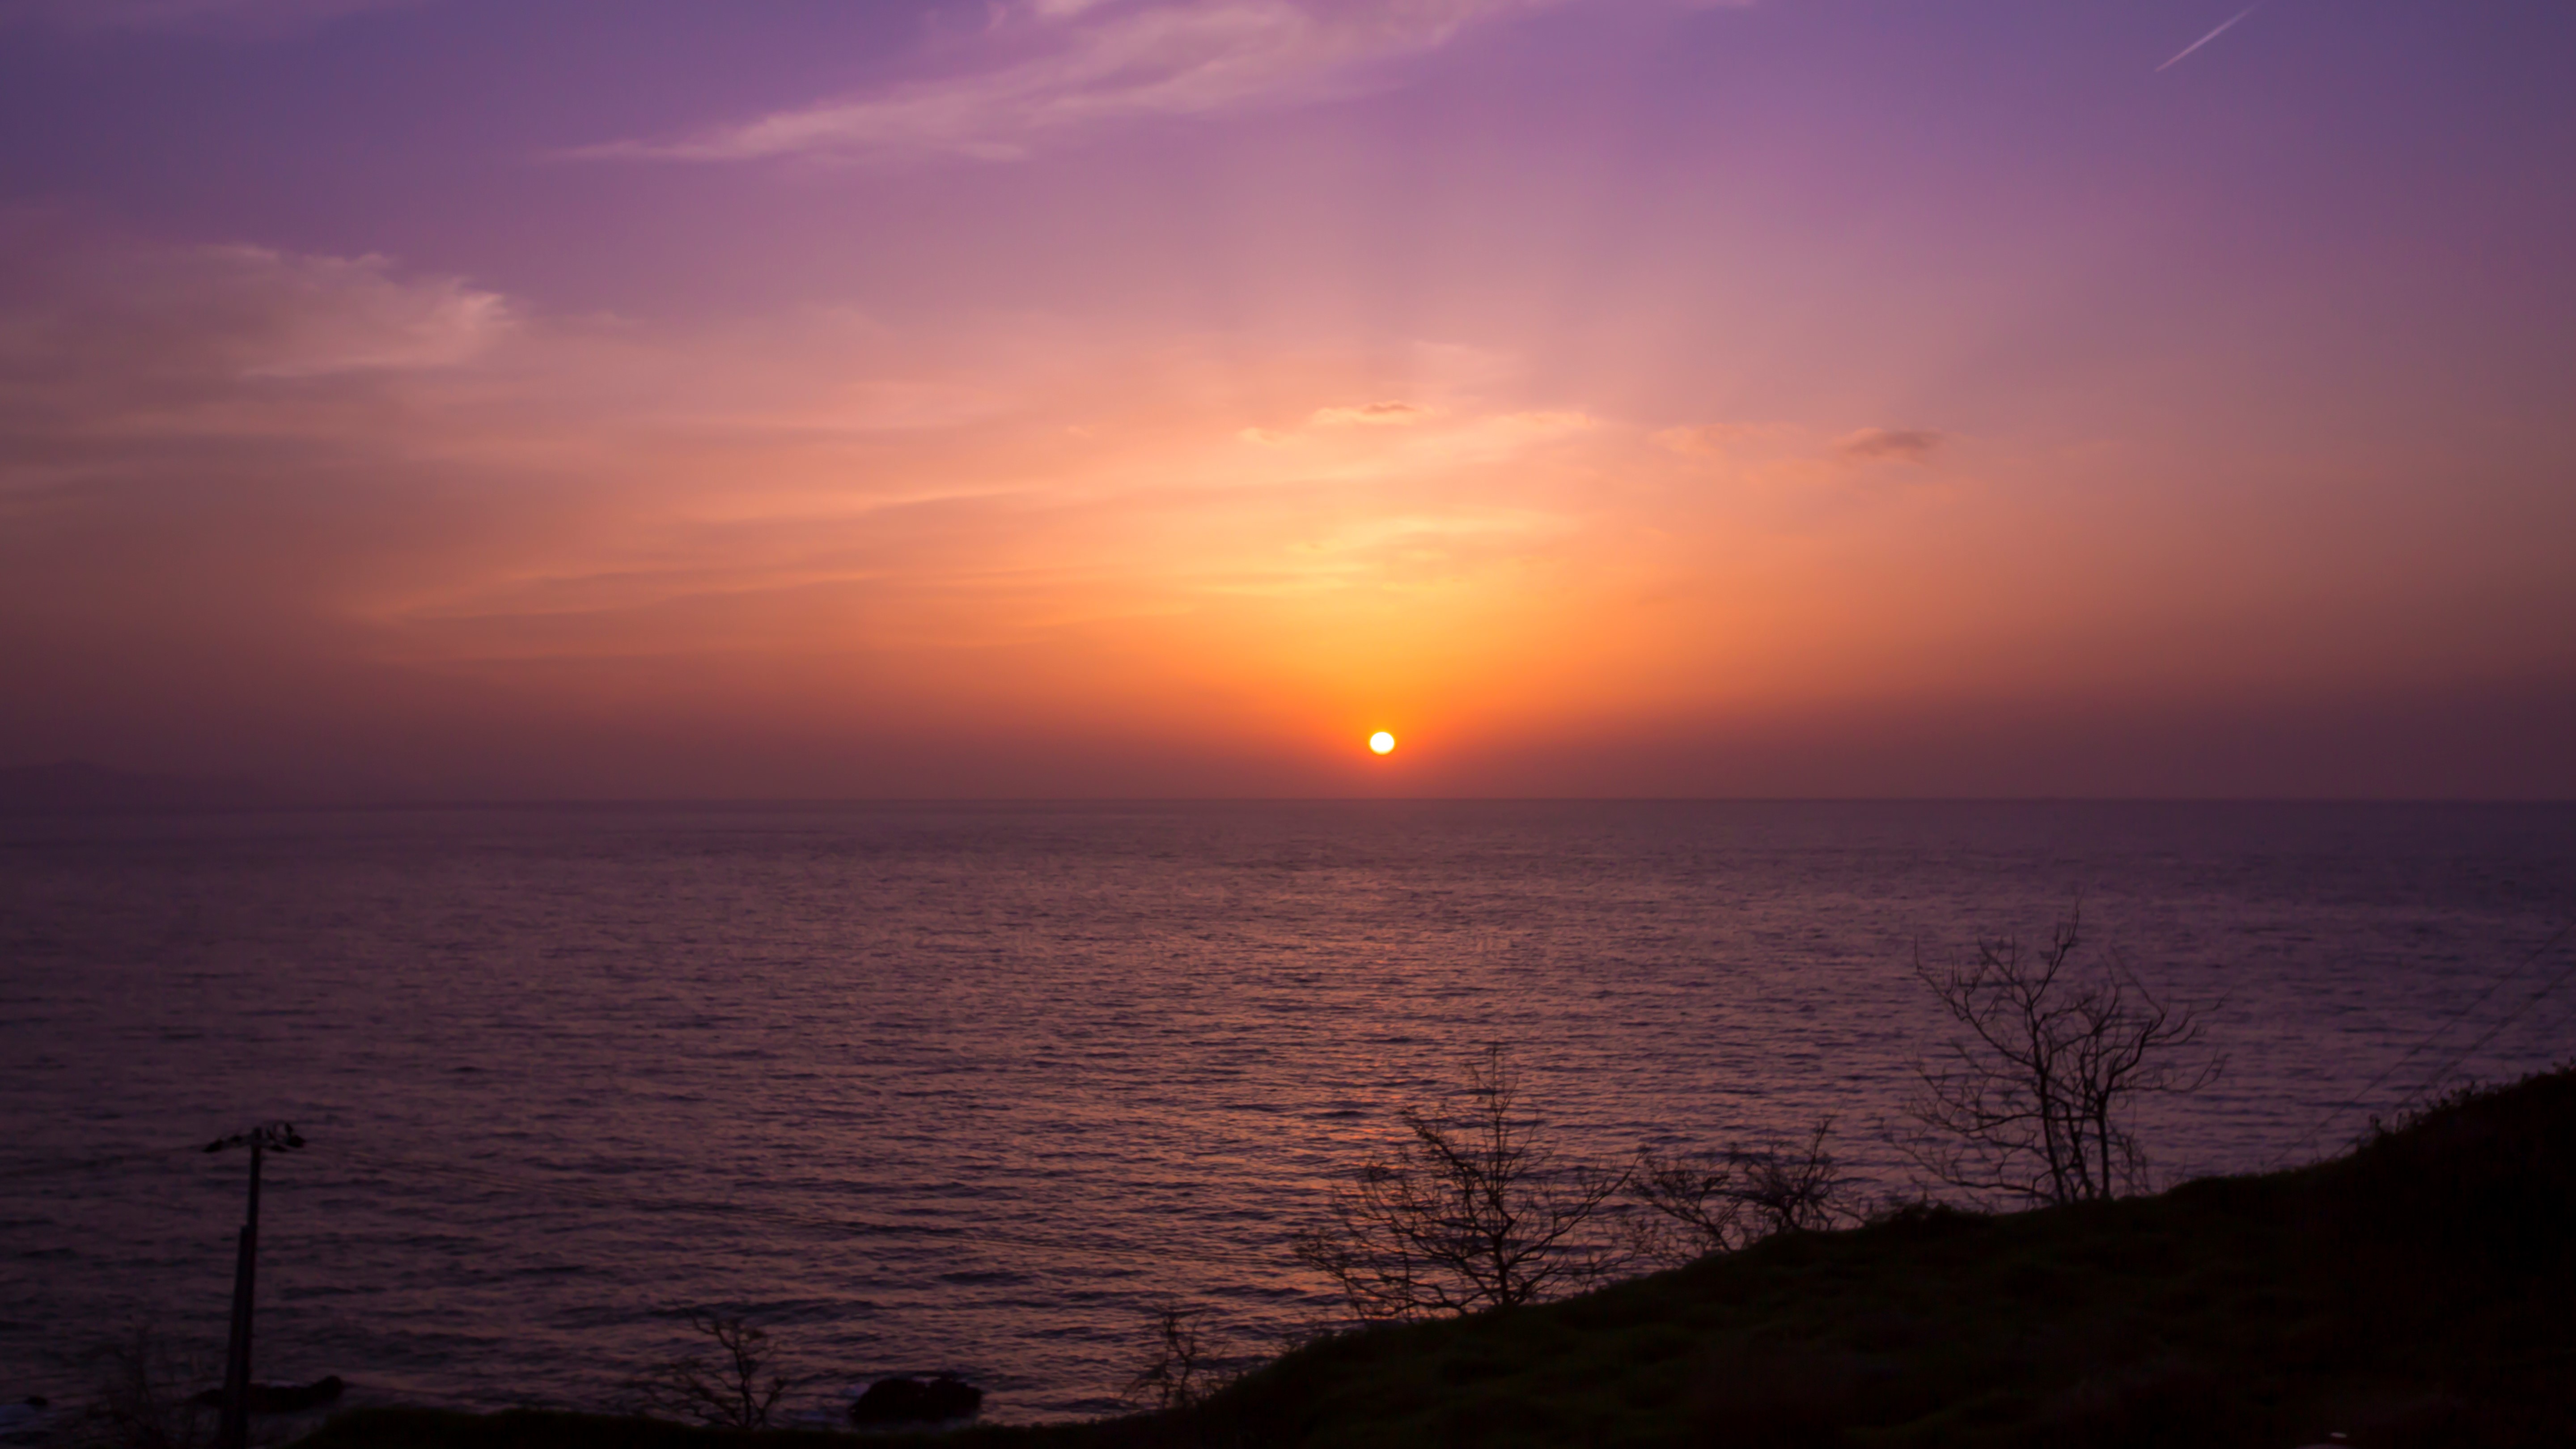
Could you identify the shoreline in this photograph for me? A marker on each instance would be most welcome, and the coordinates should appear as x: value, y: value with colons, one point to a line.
x: 2408, y: 1292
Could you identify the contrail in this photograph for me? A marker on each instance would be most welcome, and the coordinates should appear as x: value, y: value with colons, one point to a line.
x: 2224, y: 26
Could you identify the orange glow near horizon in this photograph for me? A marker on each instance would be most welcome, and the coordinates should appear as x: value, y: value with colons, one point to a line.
x: 999, y: 428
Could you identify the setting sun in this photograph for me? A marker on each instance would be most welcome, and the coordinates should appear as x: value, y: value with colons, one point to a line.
x: 1381, y: 743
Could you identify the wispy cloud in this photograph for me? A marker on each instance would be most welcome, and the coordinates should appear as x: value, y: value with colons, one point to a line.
x: 1798, y: 476
x: 84, y: 328
x: 1075, y: 65
x: 1370, y: 415
x: 1714, y: 440
x: 1904, y: 445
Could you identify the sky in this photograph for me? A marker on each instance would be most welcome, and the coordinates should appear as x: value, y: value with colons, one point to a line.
x: 471, y: 399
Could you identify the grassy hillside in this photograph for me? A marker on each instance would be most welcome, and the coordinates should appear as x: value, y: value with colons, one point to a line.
x: 2414, y: 1292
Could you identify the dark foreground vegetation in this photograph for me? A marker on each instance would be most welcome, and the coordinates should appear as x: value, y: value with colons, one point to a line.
x: 2416, y: 1291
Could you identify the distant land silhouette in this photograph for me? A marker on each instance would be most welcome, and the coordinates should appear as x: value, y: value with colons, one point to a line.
x: 78, y: 787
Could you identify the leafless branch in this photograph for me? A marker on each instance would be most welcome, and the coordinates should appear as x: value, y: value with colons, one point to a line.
x: 728, y: 1393
x: 1471, y: 1210
x: 2032, y: 1104
x: 1719, y: 1202
x: 1179, y: 1367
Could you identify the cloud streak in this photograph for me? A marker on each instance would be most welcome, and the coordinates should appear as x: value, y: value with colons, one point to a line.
x: 1083, y: 66
x: 94, y: 333
x: 1370, y: 415
x: 1904, y: 445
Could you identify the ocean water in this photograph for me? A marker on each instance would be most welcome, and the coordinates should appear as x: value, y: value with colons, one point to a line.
x: 971, y: 1088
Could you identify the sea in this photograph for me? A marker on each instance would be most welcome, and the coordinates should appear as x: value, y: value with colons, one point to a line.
x: 978, y: 1088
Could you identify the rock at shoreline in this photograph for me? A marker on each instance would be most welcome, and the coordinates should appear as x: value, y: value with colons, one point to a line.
x: 917, y: 1401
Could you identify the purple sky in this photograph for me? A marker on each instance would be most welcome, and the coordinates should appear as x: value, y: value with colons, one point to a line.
x: 1080, y: 397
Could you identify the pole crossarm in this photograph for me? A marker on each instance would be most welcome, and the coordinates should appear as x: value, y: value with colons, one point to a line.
x: 275, y: 1136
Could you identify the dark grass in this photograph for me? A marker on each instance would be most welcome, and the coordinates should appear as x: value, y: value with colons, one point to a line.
x: 2416, y: 1292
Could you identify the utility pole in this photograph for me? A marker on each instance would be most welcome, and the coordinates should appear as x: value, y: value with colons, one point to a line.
x: 233, y: 1431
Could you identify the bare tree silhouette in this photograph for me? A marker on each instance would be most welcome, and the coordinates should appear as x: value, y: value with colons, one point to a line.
x: 2032, y: 1104
x: 727, y: 1394
x: 1471, y: 1210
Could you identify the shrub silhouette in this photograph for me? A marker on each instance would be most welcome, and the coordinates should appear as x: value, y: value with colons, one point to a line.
x: 1718, y: 1202
x: 143, y: 1400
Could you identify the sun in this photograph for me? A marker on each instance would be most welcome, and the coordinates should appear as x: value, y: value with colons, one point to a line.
x: 1381, y: 743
